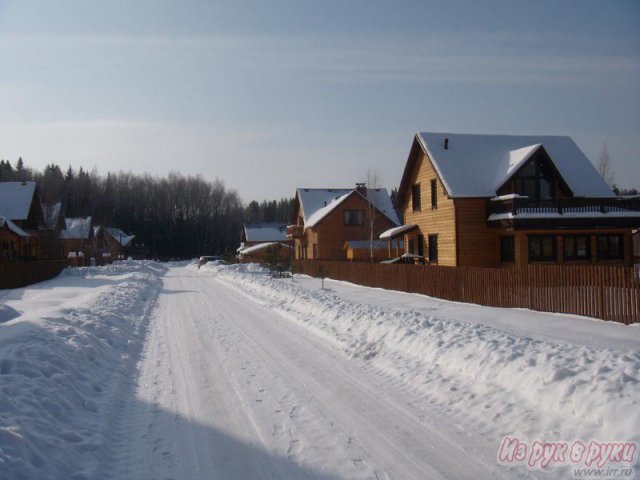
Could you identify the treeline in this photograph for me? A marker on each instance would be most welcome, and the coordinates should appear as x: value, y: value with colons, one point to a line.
x: 174, y: 216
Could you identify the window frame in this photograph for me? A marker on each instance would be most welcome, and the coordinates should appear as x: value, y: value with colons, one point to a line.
x: 542, y: 257
x: 618, y: 255
x: 355, y: 213
x: 573, y: 256
x: 433, y: 248
x: 416, y: 200
x: 434, y: 194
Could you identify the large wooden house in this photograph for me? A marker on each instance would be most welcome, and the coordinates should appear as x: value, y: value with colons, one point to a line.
x: 500, y: 200
x: 78, y: 241
x: 325, y: 219
x: 20, y: 205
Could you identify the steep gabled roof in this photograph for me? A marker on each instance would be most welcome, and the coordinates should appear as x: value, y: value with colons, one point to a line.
x: 312, y: 200
x: 265, y: 232
x: 77, y: 228
x: 261, y: 246
x: 478, y: 165
x: 120, y: 237
x: 51, y: 213
x: 16, y: 199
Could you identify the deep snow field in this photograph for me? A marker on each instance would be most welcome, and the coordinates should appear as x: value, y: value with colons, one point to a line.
x: 72, y: 348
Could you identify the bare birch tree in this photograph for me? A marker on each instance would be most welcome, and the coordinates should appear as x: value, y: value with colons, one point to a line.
x: 605, y: 168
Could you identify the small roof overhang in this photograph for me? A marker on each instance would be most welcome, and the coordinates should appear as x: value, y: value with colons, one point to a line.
x: 397, y: 231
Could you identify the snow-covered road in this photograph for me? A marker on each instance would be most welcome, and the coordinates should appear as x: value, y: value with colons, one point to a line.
x: 142, y: 370
x: 229, y: 389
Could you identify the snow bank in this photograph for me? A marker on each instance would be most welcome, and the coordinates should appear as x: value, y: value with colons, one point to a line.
x: 64, y: 364
x: 489, y: 379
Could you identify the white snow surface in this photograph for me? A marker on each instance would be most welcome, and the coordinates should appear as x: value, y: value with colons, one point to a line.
x: 265, y: 232
x: 76, y: 228
x: 142, y: 370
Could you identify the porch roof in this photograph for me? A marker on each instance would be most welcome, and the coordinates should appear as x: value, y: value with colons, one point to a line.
x: 397, y: 231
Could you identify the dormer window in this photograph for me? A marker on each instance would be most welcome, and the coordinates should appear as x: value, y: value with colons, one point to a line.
x: 535, y: 180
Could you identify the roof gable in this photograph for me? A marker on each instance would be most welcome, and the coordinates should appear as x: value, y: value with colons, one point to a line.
x: 312, y: 200
x: 477, y: 165
x: 77, y: 228
x: 16, y: 199
x: 13, y: 227
x: 120, y: 237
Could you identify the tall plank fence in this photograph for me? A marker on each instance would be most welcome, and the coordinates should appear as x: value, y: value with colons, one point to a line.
x: 606, y: 292
x: 20, y: 274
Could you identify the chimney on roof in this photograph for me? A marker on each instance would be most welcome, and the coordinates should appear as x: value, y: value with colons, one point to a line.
x: 361, y: 188
x: 446, y: 144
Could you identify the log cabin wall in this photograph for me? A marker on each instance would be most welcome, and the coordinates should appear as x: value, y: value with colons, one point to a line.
x: 440, y: 221
x: 331, y: 233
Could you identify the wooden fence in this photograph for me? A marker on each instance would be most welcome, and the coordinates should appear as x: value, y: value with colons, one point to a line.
x: 20, y: 274
x: 606, y: 292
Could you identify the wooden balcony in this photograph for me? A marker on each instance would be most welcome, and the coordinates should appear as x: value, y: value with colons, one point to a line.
x: 295, y: 231
x: 577, y: 212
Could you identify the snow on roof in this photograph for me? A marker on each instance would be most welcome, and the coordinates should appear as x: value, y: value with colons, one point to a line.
x: 324, y: 211
x: 366, y: 244
x: 477, y: 165
x: 394, y: 232
x: 51, y: 213
x: 16, y: 198
x: 261, y: 246
x: 121, y: 237
x: 312, y: 200
x: 265, y: 232
x: 13, y: 227
x: 77, y: 228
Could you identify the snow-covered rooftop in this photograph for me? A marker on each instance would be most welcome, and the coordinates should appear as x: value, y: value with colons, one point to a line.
x: 265, y: 232
x: 51, y: 214
x: 314, y: 199
x: 13, y: 227
x: 121, y: 237
x: 261, y: 246
x: 77, y: 228
x: 477, y: 165
x: 16, y: 198
x: 394, y: 232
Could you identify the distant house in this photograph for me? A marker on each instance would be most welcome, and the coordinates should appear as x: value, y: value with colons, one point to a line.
x: 20, y: 204
x: 276, y: 252
x: 324, y: 219
x: 257, y: 233
x: 78, y: 240
x: 54, y: 224
x: 360, y: 250
x: 117, y: 242
x: 493, y: 200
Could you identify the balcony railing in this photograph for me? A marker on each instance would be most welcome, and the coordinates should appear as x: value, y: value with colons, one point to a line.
x: 295, y: 231
x: 562, y: 206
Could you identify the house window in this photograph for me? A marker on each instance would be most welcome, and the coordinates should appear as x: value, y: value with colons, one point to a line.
x: 421, y: 245
x: 434, y: 194
x: 577, y: 247
x: 542, y: 248
x: 535, y: 180
x: 353, y: 217
x: 609, y: 247
x: 412, y: 246
x: 315, y: 250
x: 415, y: 197
x: 433, y: 248
x: 507, y: 248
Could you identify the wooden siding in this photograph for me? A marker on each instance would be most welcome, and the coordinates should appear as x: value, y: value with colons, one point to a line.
x: 440, y: 221
x: 331, y: 233
x: 607, y: 292
x: 478, y: 245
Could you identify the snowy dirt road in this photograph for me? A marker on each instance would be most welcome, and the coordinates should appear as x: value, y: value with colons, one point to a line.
x: 230, y: 389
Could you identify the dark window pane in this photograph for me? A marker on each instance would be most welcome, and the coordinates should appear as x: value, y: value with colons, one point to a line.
x: 507, y: 249
x: 415, y: 197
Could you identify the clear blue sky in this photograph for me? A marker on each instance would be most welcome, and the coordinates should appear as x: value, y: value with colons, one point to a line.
x: 274, y: 95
